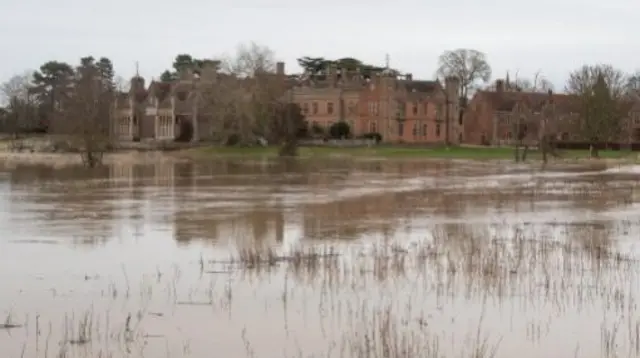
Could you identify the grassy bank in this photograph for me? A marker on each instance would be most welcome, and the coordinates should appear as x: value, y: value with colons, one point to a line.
x: 475, y: 153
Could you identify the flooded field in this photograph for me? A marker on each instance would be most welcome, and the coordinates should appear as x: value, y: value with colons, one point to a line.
x: 320, y: 259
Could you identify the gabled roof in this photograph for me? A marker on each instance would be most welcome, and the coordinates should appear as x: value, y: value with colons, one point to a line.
x: 420, y: 86
x: 506, y: 101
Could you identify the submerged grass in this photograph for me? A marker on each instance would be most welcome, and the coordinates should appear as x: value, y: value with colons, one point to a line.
x: 380, y: 300
x: 455, y: 291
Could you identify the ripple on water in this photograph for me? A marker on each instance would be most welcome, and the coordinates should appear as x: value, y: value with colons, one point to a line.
x: 334, y: 260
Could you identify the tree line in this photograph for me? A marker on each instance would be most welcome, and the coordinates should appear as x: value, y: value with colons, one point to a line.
x: 243, y: 103
x: 247, y: 102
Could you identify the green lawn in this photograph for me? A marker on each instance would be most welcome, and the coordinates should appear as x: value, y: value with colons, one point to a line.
x: 389, y: 151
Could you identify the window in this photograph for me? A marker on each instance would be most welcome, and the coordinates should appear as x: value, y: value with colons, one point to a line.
x: 400, y: 129
x: 373, y: 128
x: 314, y: 107
x: 305, y: 108
x: 401, y: 109
x: 504, y: 118
x: 165, y: 124
x: 438, y: 130
x: 415, y: 130
x: 374, y: 108
x: 424, y: 130
x: 439, y: 112
x: 124, y: 126
x: 415, y: 108
x: 330, y: 107
x: 352, y: 108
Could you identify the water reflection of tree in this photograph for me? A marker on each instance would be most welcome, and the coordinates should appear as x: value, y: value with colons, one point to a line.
x: 180, y: 189
x: 342, y: 218
x: 261, y: 225
x: 263, y: 221
x: 71, y: 202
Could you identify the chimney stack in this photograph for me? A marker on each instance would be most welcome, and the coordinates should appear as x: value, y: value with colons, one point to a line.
x: 186, y: 74
x: 137, y: 84
x: 280, y: 68
x: 333, y: 74
x: 499, y: 86
x: 409, y: 77
x: 209, y: 70
x: 452, y: 87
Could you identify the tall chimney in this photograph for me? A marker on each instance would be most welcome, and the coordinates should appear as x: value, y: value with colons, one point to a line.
x: 186, y: 74
x: 333, y: 74
x: 280, y: 68
x: 452, y: 87
x: 499, y: 86
x: 137, y: 84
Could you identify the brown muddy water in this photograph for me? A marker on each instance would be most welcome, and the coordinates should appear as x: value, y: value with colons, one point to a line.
x: 320, y: 259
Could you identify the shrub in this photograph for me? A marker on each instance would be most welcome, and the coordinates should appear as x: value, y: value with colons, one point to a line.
x: 232, y: 140
x: 340, y: 130
x: 303, y: 131
x: 317, y: 130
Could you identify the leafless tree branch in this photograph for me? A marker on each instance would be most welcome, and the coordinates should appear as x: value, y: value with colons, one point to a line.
x: 469, y: 66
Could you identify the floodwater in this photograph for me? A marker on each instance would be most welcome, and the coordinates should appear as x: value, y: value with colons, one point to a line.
x: 331, y: 258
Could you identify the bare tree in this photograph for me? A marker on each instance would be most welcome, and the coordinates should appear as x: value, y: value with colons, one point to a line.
x: 120, y: 84
x: 288, y: 121
x: 600, y: 90
x: 548, y: 128
x: 87, y: 112
x: 249, y: 60
x: 469, y: 66
x: 538, y: 83
x: 14, y: 94
x: 633, y: 84
x: 242, y: 98
x: 16, y: 87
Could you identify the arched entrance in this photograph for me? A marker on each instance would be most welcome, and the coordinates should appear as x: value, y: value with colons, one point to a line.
x: 184, y: 130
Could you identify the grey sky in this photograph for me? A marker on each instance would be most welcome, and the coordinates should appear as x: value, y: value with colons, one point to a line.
x: 552, y: 36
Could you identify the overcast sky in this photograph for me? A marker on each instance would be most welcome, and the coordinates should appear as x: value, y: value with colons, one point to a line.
x: 553, y: 36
